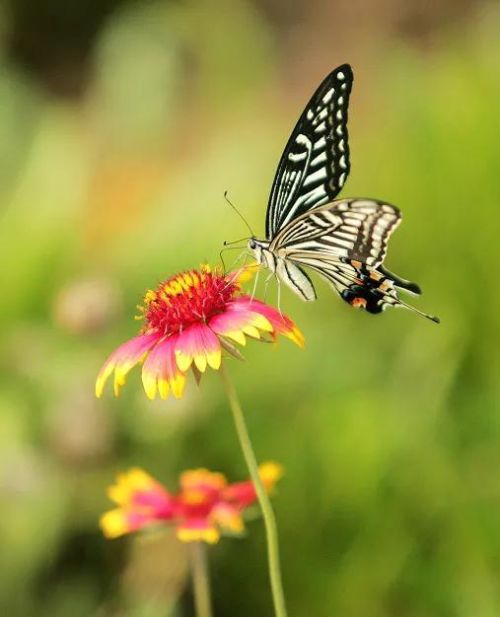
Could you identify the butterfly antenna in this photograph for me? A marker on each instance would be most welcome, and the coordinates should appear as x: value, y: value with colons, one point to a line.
x: 238, y: 213
x: 226, y: 243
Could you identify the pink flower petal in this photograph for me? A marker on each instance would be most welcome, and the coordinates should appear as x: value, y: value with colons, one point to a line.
x: 200, y: 488
x: 156, y: 502
x: 280, y: 323
x: 123, y: 359
x: 198, y: 530
x: 136, y: 489
x: 227, y: 517
x: 235, y: 324
x: 243, y: 494
x: 202, y: 479
x: 160, y: 372
x: 199, y: 344
x: 118, y: 522
x: 142, y: 500
x: 121, y: 521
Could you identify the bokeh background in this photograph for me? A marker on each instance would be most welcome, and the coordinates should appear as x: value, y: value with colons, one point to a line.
x: 121, y: 126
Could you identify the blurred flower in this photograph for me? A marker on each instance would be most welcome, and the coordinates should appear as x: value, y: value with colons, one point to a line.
x: 189, y: 319
x: 205, y: 505
x: 87, y: 306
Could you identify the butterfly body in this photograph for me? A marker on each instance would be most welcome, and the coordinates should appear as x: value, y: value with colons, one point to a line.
x: 342, y: 240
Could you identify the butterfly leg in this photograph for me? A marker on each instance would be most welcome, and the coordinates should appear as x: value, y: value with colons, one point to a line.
x: 235, y: 274
x: 279, y: 297
x: 266, y: 284
x: 254, y: 290
x: 243, y: 255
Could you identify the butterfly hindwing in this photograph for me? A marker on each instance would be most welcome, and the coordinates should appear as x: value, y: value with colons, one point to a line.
x: 347, y: 229
x: 297, y: 279
x: 359, y: 285
x: 315, y: 162
x: 369, y: 224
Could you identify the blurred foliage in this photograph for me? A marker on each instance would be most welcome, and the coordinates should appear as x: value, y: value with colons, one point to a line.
x: 389, y: 427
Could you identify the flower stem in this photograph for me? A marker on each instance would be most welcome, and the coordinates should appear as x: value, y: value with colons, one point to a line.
x: 201, y: 579
x: 264, y: 502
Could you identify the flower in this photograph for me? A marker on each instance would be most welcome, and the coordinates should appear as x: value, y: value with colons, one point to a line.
x: 205, y: 505
x: 188, y: 320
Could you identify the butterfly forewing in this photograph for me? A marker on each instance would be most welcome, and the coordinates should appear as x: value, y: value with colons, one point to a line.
x: 315, y: 162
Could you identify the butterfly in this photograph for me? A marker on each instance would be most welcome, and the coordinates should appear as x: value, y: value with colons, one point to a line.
x: 342, y: 240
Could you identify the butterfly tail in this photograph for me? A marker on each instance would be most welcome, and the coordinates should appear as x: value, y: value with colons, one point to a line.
x: 375, y: 299
x: 370, y: 289
x: 412, y: 288
x: 414, y: 309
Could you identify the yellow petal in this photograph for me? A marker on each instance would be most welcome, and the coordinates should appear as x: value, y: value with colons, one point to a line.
x: 214, y: 359
x: 236, y: 336
x: 177, y: 385
x: 149, y: 384
x: 163, y: 388
x: 102, y: 378
x: 183, y: 360
x: 296, y: 336
x: 120, y: 378
x: 270, y: 472
x: 114, y: 523
x: 251, y: 331
x: 200, y: 361
x: 192, y: 534
x: 261, y: 322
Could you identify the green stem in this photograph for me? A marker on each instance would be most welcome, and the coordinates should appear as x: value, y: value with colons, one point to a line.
x: 201, y: 579
x: 264, y: 502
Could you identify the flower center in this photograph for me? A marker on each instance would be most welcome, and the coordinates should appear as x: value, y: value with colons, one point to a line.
x: 185, y: 299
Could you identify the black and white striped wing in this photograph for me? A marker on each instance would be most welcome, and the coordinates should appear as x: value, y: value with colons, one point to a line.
x: 342, y: 276
x: 359, y: 286
x: 315, y: 162
x: 348, y: 229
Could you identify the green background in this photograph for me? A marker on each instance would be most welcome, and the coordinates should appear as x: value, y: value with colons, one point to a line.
x: 121, y: 126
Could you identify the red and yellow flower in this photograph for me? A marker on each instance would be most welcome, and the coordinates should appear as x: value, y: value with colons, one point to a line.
x: 189, y: 319
x: 204, y: 507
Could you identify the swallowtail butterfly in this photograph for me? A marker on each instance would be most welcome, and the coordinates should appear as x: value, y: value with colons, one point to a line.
x: 345, y: 240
